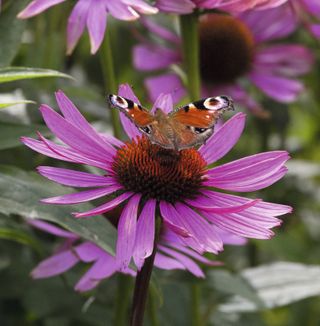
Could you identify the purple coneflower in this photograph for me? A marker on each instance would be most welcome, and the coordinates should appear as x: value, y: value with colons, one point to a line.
x: 93, y: 15
x: 172, y: 254
x: 233, y: 52
x: 187, y: 6
x: 180, y: 187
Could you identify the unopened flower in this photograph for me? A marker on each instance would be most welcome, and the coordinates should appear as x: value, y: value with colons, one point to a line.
x: 234, y: 53
x: 91, y: 14
x: 179, y: 186
x: 187, y: 6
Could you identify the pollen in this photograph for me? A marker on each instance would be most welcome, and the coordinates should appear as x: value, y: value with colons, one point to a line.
x: 226, y: 48
x: 155, y: 172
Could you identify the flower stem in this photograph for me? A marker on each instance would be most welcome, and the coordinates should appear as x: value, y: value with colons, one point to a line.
x: 110, y: 79
x: 190, y: 48
x: 122, y: 302
x: 142, y: 282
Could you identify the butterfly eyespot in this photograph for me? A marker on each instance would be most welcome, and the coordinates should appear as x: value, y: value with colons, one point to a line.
x: 200, y: 130
x: 146, y: 129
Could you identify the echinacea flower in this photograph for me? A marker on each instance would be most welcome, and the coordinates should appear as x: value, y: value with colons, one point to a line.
x: 308, y: 12
x: 181, y: 187
x: 171, y: 254
x: 93, y: 15
x: 234, y: 53
x: 187, y: 6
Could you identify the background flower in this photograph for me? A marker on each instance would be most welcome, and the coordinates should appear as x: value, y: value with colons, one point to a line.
x: 91, y: 14
x: 234, y: 51
x: 181, y: 191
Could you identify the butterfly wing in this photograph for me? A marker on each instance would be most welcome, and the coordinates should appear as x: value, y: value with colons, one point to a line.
x: 135, y: 112
x: 194, y: 122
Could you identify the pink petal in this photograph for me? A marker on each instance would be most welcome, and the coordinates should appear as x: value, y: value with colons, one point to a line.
x: 152, y: 57
x: 74, y: 178
x: 165, y: 84
x: 224, y: 139
x: 52, y: 229
x: 144, y: 241
x: 82, y: 196
x: 74, y: 137
x: 36, y: 7
x: 141, y: 6
x: 167, y: 263
x: 163, y: 102
x: 105, y: 207
x: 120, y: 10
x: 76, y: 23
x: 176, y: 6
x: 55, y: 265
x: 127, y: 232
x: 96, y: 23
x: 89, y: 252
x: 315, y: 29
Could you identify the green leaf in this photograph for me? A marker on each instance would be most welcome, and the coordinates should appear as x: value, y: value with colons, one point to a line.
x: 11, y: 30
x: 20, y: 193
x: 277, y: 285
x: 9, y: 74
x: 5, y: 105
x: 10, y: 134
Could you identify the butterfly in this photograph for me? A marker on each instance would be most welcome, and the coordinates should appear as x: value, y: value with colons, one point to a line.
x: 182, y: 128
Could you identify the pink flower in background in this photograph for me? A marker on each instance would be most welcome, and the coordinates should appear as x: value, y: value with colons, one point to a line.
x: 91, y: 14
x: 308, y: 12
x: 184, y: 192
x: 187, y: 6
x: 171, y: 255
x: 235, y: 52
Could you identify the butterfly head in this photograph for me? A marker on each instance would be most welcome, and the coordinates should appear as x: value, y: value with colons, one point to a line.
x: 118, y: 101
x: 219, y: 103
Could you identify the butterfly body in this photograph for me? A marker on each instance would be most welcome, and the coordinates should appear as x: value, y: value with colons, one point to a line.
x: 182, y: 128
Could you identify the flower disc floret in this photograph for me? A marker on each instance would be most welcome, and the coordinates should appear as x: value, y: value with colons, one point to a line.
x: 159, y: 173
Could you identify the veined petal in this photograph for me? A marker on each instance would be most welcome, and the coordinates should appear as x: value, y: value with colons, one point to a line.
x: 74, y: 137
x: 82, y: 196
x: 89, y: 252
x: 55, y: 265
x: 121, y: 11
x: 141, y: 6
x: 190, y: 265
x: 74, y: 178
x: 167, y: 263
x: 52, y: 229
x: 224, y: 139
x: 105, y: 207
x: 76, y: 23
x: 148, y: 57
x: 36, y: 7
x: 127, y: 232
x: 96, y: 23
x: 177, y: 6
x: 144, y: 241
x: 163, y: 102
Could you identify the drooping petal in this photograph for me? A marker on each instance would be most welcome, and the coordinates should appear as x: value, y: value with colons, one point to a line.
x: 96, y: 23
x: 141, y: 6
x: 52, y: 229
x: 176, y: 7
x: 166, y: 84
x: 167, y: 263
x: 127, y: 232
x: 248, y: 173
x: 74, y: 137
x: 74, y: 178
x: 224, y: 139
x: 105, y: 207
x: 163, y: 102
x: 82, y: 196
x: 121, y: 11
x: 55, y: 265
x: 128, y: 126
x: 89, y: 252
x: 76, y: 23
x: 148, y: 57
x: 36, y: 7
x: 144, y: 242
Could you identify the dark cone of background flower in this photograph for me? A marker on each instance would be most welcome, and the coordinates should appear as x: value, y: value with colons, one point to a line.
x: 226, y: 48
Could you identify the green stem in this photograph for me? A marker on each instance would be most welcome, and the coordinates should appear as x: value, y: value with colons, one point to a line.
x: 122, y: 301
x: 143, y: 281
x: 190, y: 47
x: 110, y: 80
x: 196, y: 319
x: 152, y: 309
